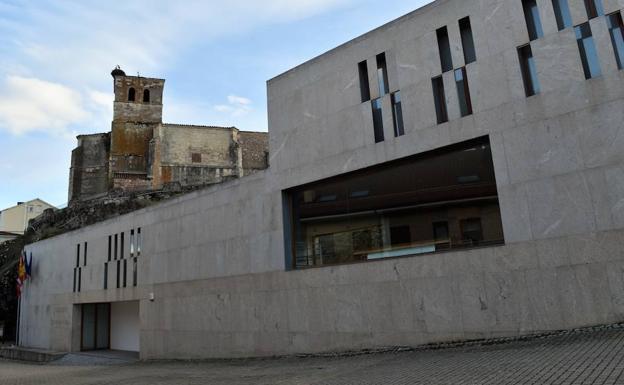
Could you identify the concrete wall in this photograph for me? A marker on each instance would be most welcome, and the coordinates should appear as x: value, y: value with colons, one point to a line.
x: 215, y: 260
x: 124, y: 327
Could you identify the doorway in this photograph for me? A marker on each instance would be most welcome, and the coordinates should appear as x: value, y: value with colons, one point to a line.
x: 95, y: 326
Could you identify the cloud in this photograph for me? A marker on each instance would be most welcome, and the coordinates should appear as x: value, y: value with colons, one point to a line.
x: 31, y: 104
x: 238, y: 106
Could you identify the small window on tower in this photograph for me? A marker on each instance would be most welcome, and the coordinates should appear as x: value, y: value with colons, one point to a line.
x: 146, y: 96
x: 196, y: 157
x: 131, y: 94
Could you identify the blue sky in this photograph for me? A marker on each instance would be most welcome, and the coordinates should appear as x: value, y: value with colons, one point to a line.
x: 56, y: 57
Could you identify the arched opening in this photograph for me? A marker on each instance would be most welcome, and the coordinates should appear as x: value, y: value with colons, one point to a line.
x: 146, y: 96
x: 131, y: 94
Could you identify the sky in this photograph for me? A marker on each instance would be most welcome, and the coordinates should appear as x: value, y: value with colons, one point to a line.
x: 216, y: 56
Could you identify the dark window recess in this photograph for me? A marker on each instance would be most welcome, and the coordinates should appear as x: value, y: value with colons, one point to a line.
x: 79, y: 278
x: 105, y: 275
x: 440, y: 99
x: 134, y: 272
x: 132, y: 243
x: 110, y: 239
x: 399, y: 216
x: 196, y: 157
x: 397, y: 114
x: 75, y: 279
x: 532, y: 17
x: 472, y: 232
x: 444, y: 46
x: 382, y: 74
x: 118, y: 272
x: 116, y: 247
x: 146, y: 96
x: 77, y: 255
x: 364, y: 85
x: 562, y: 14
x: 131, y: 94
x: 377, y: 120
x: 400, y: 235
x: 84, y: 255
x: 139, y: 242
x: 587, y: 50
x: 441, y: 234
x: 125, y: 272
x: 529, y: 70
x: 616, y: 29
x: 594, y: 8
x: 467, y: 40
x: 122, y: 246
x: 463, y: 92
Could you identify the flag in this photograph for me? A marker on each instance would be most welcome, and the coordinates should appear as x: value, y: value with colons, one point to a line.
x: 28, y: 266
x: 21, y: 268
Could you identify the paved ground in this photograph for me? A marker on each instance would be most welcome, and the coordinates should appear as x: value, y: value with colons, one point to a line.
x: 585, y: 357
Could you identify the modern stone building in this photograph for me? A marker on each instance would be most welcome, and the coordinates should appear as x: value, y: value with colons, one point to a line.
x: 455, y: 174
x: 143, y: 153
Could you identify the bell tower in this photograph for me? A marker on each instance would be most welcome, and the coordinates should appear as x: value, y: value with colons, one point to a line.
x: 137, y: 111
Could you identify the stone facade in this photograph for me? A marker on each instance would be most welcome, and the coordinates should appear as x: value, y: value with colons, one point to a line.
x: 215, y: 273
x: 142, y: 153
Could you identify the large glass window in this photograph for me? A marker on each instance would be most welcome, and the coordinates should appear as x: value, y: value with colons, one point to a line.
x: 616, y: 29
x: 529, y: 70
x: 562, y: 14
x: 467, y: 41
x: 533, y: 21
x: 587, y: 49
x: 444, y: 199
x: 463, y: 91
x: 444, y: 46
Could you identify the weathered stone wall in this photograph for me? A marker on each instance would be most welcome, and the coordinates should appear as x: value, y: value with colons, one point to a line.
x: 255, y: 149
x: 88, y: 175
x: 137, y: 110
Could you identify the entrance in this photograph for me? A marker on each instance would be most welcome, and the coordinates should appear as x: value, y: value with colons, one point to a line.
x: 95, y: 326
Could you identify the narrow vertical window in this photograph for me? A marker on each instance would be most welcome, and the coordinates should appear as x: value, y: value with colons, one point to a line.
x: 105, y: 275
x: 364, y: 85
x: 587, y: 49
x: 134, y: 272
x: 125, y: 272
x: 616, y: 29
x: 377, y: 120
x: 118, y: 272
x: 463, y: 92
x: 444, y: 46
x: 131, y: 243
x: 532, y: 17
x: 110, y: 238
x: 562, y: 14
x: 131, y: 94
x: 467, y: 41
x: 84, y: 255
x: 116, y: 247
x: 75, y: 274
x: 122, y: 246
x: 139, y: 242
x: 146, y: 96
x: 397, y: 114
x: 594, y: 8
x: 440, y: 99
x: 529, y: 70
x: 78, y: 255
x: 382, y: 74
x: 79, y: 278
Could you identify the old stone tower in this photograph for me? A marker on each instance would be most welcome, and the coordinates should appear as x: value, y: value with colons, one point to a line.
x: 142, y: 153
